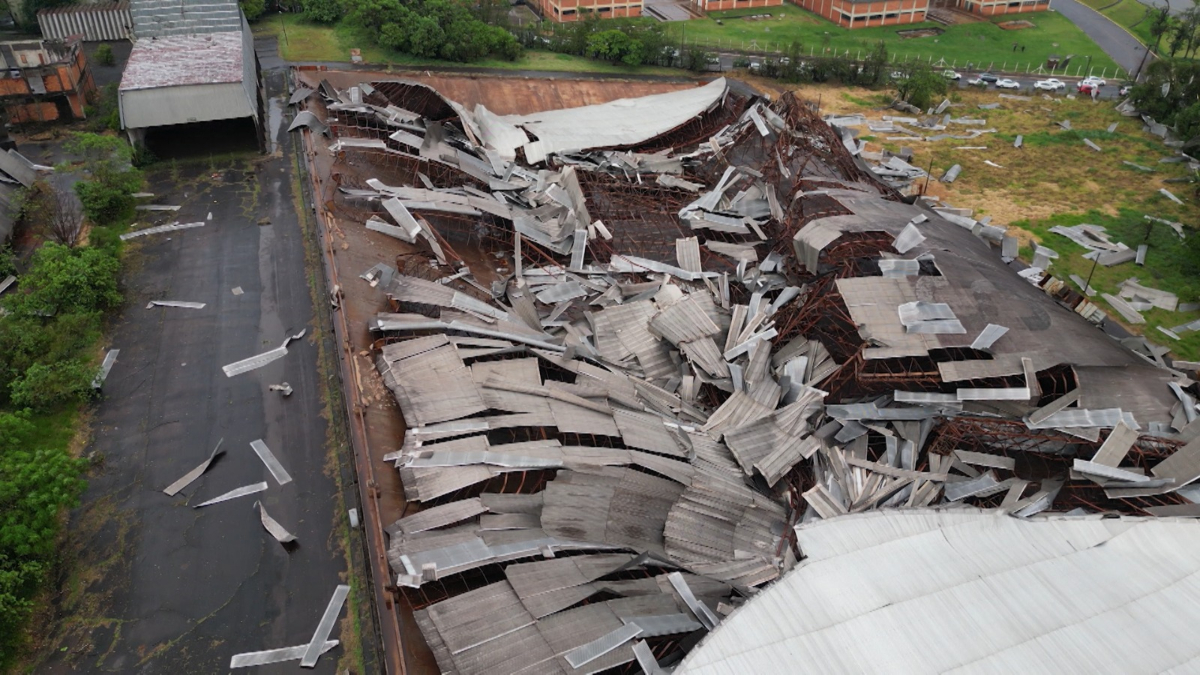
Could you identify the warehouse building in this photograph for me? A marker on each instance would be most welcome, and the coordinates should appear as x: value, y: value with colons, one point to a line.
x: 190, y: 64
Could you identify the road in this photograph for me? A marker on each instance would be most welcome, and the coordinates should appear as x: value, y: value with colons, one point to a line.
x: 159, y: 586
x: 1114, y: 40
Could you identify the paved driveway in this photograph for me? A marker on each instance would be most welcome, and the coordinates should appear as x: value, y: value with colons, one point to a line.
x: 163, y: 587
x: 1114, y: 40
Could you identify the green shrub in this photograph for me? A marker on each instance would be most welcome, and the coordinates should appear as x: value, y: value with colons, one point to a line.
x: 36, y: 483
x: 46, y: 385
x: 253, y: 8
x: 322, y: 11
x: 104, y: 54
x: 66, y: 280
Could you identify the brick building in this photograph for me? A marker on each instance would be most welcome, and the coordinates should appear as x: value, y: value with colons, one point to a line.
x: 573, y: 10
x: 722, y: 5
x: 43, y: 81
x: 994, y: 7
x: 867, y: 13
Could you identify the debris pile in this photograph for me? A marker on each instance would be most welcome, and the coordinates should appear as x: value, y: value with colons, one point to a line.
x: 628, y: 369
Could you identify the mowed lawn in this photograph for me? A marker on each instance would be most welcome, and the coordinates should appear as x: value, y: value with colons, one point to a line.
x: 304, y: 41
x: 984, y: 44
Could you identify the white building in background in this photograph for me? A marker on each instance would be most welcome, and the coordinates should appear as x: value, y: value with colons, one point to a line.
x: 192, y: 61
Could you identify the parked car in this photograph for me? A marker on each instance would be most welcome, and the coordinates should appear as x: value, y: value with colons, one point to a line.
x: 899, y: 75
x: 1007, y: 84
x: 1098, y: 81
x: 976, y: 82
x: 1051, y: 84
x: 951, y: 75
x: 1088, y: 88
x: 989, y: 78
x: 1125, y: 89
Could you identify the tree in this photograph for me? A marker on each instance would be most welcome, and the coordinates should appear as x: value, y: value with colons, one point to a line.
x: 615, y: 46
x: 66, y: 218
x: 921, y: 86
x: 322, y: 11
x: 104, y: 54
x: 66, y: 280
x: 108, y: 161
x: 253, y: 8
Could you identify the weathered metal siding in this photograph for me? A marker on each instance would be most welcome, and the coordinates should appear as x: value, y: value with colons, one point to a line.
x: 158, y: 18
x: 249, y: 67
x: 141, y: 108
x: 105, y: 21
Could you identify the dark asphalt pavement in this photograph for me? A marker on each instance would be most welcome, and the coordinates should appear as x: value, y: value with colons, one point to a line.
x: 192, y: 587
x: 1114, y: 40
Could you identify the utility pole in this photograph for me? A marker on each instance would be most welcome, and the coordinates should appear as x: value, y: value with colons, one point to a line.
x: 1088, y: 284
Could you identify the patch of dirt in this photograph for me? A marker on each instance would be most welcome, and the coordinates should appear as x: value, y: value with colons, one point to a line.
x: 1016, y: 25
x: 920, y: 32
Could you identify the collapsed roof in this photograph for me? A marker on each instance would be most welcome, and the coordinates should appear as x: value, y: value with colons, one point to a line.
x: 653, y: 360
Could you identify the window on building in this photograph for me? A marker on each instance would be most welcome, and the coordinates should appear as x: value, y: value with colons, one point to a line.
x: 893, y: 15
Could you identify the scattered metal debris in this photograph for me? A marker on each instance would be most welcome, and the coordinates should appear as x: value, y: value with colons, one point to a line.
x: 175, y: 303
x: 305, y: 118
x: 109, y: 359
x: 173, y: 227
x: 278, y: 531
x: 237, y: 290
x: 234, y: 494
x: 1088, y: 142
x: 1168, y: 194
x: 1139, y: 167
x: 260, y: 360
x: 314, y: 650
x: 285, y: 389
x: 7, y: 283
x: 280, y: 655
x: 277, y: 471
x: 156, y: 207
x: 1018, y: 142
x: 952, y: 174
x: 187, y: 478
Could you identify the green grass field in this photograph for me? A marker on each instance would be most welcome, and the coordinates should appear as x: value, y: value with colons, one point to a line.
x: 300, y: 40
x: 984, y: 44
x: 1128, y: 14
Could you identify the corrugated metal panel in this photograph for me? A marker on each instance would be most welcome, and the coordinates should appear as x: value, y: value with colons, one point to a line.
x: 103, y: 21
x: 142, y: 108
x: 161, y: 18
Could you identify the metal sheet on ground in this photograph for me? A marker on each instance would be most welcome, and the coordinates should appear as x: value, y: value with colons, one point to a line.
x: 280, y: 655
x: 174, y: 488
x: 278, y: 531
x: 327, y: 620
x: 277, y: 471
x: 234, y: 494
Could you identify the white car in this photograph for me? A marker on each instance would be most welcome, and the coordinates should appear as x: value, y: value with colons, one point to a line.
x: 976, y: 82
x: 1051, y: 84
x: 951, y: 75
x: 1007, y: 84
x: 1092, y: 79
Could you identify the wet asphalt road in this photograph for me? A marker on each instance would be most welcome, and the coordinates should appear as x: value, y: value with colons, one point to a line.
x: 1125, y: 49
x: 195, y: 586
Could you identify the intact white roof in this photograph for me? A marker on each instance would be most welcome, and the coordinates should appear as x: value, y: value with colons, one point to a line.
x: 969, y: 591
x: 626, y: 121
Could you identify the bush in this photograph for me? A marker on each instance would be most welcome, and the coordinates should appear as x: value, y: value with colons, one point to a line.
x: 104, y: 54
x: 322, y: 11
x: 63, y: 280
x: 44, y: 386
x: 442, y: 29
x: 253, y: 8
x: 35, y: 485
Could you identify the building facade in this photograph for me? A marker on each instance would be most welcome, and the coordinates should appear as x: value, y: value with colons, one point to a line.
x: 43, y: 81
x: 995, y: 7
x: 722, y: 5
x: 190, y: 63
x: 868, y: 13
x: 574, y: 10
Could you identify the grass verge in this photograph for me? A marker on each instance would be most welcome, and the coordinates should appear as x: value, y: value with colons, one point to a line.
x: 983, y: 43
x: 1129, y: 14
x: 301, y: 40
